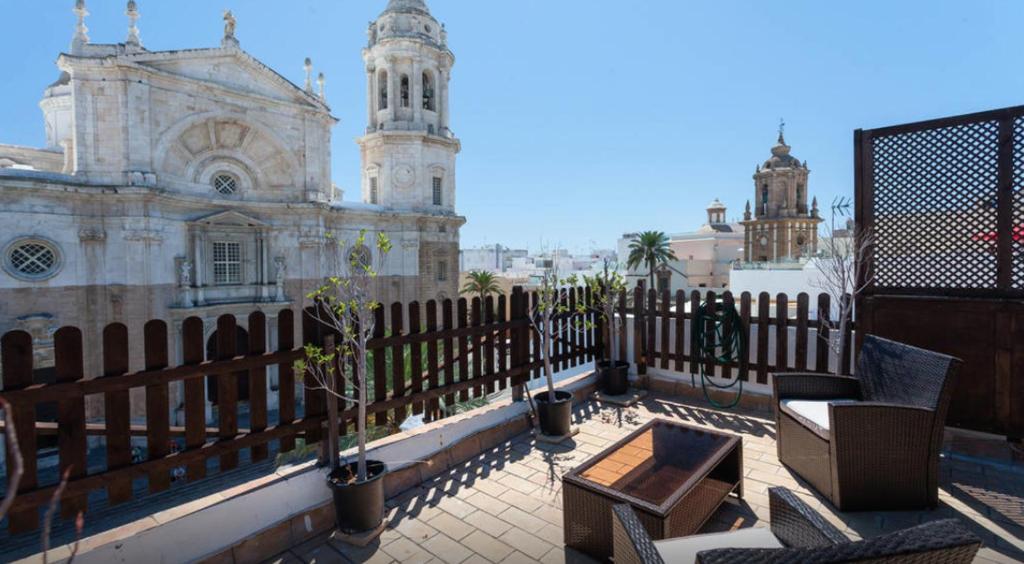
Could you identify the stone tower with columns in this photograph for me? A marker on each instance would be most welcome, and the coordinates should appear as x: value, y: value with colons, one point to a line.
x: 408, y: 152
x: 780, y: 227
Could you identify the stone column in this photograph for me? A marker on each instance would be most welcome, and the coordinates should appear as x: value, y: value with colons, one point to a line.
x: 199, y: 255
x: 371, y: 99
x: 394, y: 83
x: 442, y: 92
x: 775, y: 242
x: 416, y: 92
x: 789, y: 241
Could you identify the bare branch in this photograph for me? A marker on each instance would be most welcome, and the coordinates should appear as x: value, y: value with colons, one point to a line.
x: 51, y: 509
x: 14, y: 451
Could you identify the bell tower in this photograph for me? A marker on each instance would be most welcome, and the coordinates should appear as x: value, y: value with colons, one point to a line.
x: 408, y: 151
x: 780, y: 226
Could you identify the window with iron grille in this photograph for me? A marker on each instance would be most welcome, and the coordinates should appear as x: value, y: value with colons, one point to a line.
x: 226, y: 184
x: 32, y: 259
x: 373, y: 190
x: 437, y: 191
x: 442, y: 271
x: 227, y: 263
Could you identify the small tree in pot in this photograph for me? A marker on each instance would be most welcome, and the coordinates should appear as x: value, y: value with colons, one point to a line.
x: 554, y: 408
x: 345, y: 305
x: 605, y: 289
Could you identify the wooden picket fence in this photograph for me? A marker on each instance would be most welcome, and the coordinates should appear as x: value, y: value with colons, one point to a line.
x: 471, y: 348
x: 657, y: 346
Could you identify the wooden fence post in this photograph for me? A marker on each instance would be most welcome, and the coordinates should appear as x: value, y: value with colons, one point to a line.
x: 781, y: 332
x: 117, y: 409
x: 397, y: 362
x: 520, y: 341
x: 258, y: 382
x: 823, y: 352
x: 158, y: 417
x: 194, y: 352
x: 434, y: 408
x: 639, y: 330
x: 16, y: 356
x: 286, y: 377
x: 69, y: 367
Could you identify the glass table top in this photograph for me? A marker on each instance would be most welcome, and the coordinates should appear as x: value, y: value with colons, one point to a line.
x: 656, y: 463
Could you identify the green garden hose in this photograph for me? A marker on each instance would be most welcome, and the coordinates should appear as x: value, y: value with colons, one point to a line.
x: 732, y: 344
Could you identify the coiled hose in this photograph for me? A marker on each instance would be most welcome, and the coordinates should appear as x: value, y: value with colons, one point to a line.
x: 731, y: 343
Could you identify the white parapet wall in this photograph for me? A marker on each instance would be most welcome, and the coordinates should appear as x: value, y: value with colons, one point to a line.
x: 207, y: 527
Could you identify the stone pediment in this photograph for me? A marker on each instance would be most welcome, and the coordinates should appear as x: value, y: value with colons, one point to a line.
x: 229, y: 219
x: 229, y: 68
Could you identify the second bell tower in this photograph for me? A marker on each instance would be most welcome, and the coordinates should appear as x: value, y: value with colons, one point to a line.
x: 408, y: 152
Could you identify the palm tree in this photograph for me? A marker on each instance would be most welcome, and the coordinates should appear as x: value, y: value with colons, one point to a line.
x: 482, y: 283
x: 651, y: 249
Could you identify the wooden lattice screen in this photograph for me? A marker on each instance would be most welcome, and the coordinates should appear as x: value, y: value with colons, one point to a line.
x: 945, y: 203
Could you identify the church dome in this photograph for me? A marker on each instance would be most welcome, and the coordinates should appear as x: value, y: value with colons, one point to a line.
x: 780, y: 156
x: 716, y: 204
x: 408, y: 6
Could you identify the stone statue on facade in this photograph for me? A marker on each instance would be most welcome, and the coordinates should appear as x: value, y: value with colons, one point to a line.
x: 279, y: 271
x: 229, y: 29
x: 185, y: 274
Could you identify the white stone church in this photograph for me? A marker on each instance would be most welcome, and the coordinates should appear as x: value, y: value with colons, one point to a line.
x: 197, y: 182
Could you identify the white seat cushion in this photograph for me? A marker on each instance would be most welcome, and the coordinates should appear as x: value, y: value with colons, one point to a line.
x: 684, y: 550
x: 813, y: 414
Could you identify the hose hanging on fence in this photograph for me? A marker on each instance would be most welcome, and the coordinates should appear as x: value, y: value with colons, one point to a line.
x: 733, y: 346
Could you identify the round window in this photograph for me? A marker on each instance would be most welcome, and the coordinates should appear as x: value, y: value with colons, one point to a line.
x: 32, y: 259
x: 225, y: 184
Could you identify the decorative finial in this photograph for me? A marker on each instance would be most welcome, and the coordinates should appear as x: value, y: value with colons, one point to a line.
x: 746, y: 211
x: 320, y: 80
x: 81, y: 32
x: 132, y: 12
x: 782, y: 131
x: 309, y: 74
x: 229, y: 29
x: 444, y: 36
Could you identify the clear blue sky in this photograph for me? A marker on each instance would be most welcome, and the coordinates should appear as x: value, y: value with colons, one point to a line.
x: 584, y: 119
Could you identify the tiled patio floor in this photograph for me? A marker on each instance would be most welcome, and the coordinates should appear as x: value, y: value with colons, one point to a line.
x: 505, y: 505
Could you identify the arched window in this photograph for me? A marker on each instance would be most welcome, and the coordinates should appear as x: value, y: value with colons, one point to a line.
x: 764, y: 194
x: 405, y: 91
x: 382, y: 82
x: 428, y: 93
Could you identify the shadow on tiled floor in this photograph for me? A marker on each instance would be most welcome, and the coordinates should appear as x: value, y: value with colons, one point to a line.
x: 505, y: 504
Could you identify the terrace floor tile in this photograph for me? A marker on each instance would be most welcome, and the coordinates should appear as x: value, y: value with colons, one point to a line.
x: 505, y: 504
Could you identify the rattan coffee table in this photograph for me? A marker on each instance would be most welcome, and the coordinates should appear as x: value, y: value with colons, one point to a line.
x: 673, y: 475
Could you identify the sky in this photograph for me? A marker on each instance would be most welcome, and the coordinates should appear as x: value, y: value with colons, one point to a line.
x: 581, y: 120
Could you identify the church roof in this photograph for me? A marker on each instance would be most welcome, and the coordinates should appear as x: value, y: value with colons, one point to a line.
x: 417, y: 6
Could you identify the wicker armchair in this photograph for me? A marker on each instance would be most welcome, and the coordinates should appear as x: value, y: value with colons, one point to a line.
x: 797, y: 534
x: 869, y: 442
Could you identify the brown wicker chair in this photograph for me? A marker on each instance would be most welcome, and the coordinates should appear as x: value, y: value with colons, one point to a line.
x: 798, y: 534
x: 869, y: 442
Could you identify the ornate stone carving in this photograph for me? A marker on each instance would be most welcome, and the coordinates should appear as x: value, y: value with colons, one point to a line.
x: 92, y: 234
x: 404, y: 176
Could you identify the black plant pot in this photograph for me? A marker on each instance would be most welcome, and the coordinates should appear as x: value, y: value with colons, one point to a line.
x: 555, y: 417
x: 613, y: 378
x: 358, y: 506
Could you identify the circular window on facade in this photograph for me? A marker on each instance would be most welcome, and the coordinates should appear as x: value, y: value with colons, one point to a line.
x: 32, y: 259
x: 225, y: 184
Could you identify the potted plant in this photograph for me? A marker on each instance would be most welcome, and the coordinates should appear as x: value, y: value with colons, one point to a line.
x: 605, y: 289
x: 345, y: 305
x: 554, y: 408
